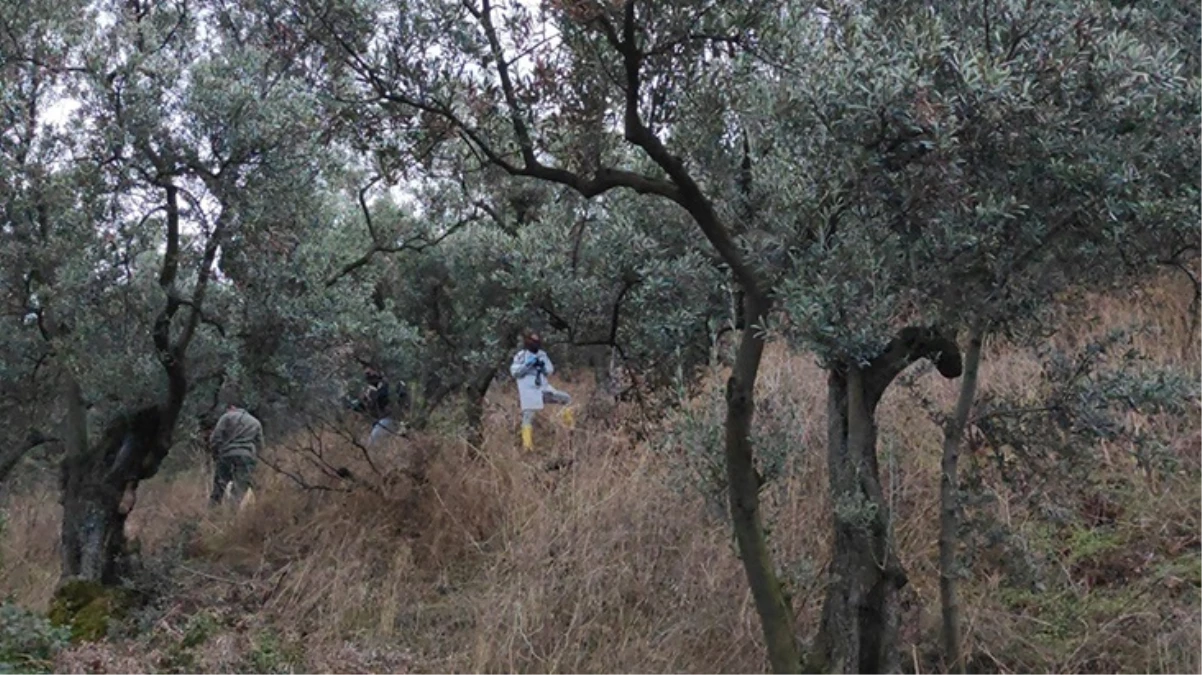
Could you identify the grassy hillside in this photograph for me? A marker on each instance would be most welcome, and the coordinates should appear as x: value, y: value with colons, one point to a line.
x: 616, y: 561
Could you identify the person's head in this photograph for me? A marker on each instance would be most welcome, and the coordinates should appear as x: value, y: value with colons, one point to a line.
x: 532, y: 341
x: 372, y: 375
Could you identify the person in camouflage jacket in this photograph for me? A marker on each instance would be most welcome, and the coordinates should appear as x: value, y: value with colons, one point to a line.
x: 236, y: 442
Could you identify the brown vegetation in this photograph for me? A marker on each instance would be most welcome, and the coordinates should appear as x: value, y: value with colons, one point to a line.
x: 445, y: 563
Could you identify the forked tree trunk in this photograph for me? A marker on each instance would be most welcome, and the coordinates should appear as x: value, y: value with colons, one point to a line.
x: 949, y: 505
x: 99, y: 486
x: 859, y: 618
x: 100, y: 481
x: 858, y: 632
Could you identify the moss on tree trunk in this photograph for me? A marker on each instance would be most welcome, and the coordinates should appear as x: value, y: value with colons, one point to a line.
x: 88, y: 608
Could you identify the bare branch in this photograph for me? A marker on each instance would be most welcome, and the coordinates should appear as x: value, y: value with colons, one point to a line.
x: 10, y: 458
x: 416, y: 244
x: 603, y: 180
x: 298, y: 479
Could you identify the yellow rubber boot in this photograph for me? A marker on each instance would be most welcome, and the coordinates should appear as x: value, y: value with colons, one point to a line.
x: 527, y: 437
x: 568, y: 417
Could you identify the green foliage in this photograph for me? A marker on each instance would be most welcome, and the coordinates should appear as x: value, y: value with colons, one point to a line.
x: 1045, y: 445
x: 693, y: 437
x: 88, y: 609
x: 28, y: 641
x: 409, y: 184
x: 961, y: 182
x: 272, y: 653
x: 1096, y: 395
x: 180, y: 656
x: 1060, y: 614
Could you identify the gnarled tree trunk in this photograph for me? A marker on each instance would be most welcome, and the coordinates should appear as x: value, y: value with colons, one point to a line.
x: 100, y: 481
x: 860, y: 616
x: 93, y: 531
x: 99, y: 486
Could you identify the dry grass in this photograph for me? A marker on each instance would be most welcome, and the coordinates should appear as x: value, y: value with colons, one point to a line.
x: 499, y: 564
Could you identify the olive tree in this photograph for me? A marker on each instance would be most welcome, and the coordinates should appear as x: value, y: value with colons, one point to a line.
x: 612, y: 284
x: 843, y: 165
x: 592, y: 97
x: 983, y: 161
x: 42, y: 198
x: 187, y: 127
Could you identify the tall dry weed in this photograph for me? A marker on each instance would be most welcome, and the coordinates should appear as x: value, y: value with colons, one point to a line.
x: 586, y: 557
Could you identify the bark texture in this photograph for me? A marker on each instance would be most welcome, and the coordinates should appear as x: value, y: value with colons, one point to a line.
x: 99, y: 487
x: 100, y: 480
x: 949, y: 487
x: 858, y: 633
x: 773, y: 607
x: 473, y: 404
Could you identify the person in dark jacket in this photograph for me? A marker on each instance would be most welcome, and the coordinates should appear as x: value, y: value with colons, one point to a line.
x: 236, y: 442
x: 376, y: 401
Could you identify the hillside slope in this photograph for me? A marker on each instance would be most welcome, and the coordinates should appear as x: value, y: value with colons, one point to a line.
x: 618, y: 561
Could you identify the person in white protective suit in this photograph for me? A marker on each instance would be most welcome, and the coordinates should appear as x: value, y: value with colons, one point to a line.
x: 530, y: 368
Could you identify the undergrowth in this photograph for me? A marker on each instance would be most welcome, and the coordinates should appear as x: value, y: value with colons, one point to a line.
x: 602, y: 552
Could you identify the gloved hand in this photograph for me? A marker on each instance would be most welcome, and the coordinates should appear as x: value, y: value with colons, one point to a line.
x: 532, y: 360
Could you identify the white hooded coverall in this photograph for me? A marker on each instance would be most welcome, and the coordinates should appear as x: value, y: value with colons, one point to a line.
x: 534, y: 391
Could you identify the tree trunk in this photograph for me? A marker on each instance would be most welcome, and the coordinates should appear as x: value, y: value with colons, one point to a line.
x: 948, y: 506
x: 860, y: 616
x: 100, y: 481
x: 99, y: 486
x: 477, y: 389
x: 93, y: 531
x: 776, y: 616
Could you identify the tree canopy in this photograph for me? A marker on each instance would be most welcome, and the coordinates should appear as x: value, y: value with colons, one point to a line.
x: 206, y: 202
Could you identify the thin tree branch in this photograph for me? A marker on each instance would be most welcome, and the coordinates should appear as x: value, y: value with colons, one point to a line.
x: 415, y: 244
x: 690, y: 195
x: 10, y: 458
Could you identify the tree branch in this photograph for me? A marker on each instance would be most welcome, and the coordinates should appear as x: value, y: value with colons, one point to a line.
x: 204, y: 273
x: 690, y: 195
x: 604, y: 179
x: 416, y: 244
x: 911, y: 344
x: 170, y: 358
x: 11, y: 457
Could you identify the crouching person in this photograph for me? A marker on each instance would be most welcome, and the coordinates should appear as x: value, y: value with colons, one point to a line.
x: 236, y: 442
x: 530, y: 368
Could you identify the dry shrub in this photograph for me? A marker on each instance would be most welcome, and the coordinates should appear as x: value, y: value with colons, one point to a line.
x: 582, y: 557
x: 29, y: 562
